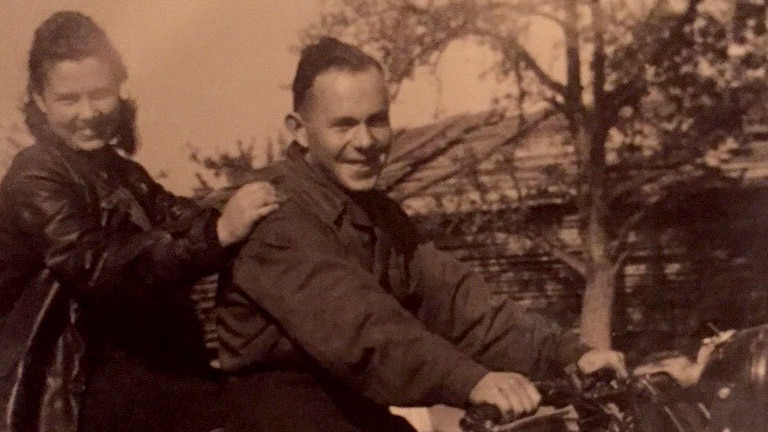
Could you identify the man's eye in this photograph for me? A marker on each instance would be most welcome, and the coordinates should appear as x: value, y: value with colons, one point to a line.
x: 344, y: 127
x: 67, y: 100
x: 378, y: 121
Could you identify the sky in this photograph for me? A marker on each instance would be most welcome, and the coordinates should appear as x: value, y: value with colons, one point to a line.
x: 208, y: 73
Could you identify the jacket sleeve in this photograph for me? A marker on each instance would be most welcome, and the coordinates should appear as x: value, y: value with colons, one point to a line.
x: 294, y: 268
x: 95, y: 250
x: 458, y: 304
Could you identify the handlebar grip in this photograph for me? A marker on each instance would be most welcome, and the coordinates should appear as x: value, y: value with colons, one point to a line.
x: 482, y: 417
x: 557, y: 393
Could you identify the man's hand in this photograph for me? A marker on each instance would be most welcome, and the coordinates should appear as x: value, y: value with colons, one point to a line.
x: 508, y: 391
x: 249, y: 204
x: 602, y: 358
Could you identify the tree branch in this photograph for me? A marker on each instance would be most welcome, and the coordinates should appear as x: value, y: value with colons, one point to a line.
x: 511, y: 48
x: 579, y: 266
x: 572, y: 261
x: 622, y: 235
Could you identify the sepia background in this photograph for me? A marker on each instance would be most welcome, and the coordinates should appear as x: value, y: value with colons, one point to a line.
x: 210, y: 73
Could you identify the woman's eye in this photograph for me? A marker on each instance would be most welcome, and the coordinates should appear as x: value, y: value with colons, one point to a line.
x: 101, y: 94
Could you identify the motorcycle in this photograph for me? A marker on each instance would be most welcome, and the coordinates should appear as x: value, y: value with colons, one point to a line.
x: 724, y: 388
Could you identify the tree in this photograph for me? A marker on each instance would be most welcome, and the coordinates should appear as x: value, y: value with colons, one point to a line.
x: 654, y: 96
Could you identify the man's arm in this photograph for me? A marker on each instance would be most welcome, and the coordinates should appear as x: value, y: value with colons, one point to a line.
x: 295, y: 268
x: 461, y: 306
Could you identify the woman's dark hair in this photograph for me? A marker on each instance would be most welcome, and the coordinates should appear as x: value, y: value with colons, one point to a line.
x: 328, y: 53
x: 71, y: 35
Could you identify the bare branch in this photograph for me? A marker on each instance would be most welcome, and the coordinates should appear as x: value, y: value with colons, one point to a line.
x: 622, y: 235
x: 619, y: 264
x: 512, y: 46
x: 578, y: 265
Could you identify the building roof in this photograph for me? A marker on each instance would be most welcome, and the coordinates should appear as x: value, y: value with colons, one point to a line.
x: 460, y: 163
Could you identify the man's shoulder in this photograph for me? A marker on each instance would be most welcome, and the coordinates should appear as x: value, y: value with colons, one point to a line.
x: 218, y: 197
x: 267, y: 173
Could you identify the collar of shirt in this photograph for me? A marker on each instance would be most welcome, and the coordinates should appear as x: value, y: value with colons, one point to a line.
x: 333, y: 202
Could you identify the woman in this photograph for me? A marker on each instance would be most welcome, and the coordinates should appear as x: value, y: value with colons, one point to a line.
x: 99, y: 259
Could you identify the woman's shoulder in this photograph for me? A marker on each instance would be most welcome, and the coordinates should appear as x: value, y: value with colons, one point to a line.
x: 34, y: 152
x: 34, y: 160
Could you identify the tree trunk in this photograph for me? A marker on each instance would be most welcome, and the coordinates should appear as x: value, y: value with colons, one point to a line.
x: 597, y: 302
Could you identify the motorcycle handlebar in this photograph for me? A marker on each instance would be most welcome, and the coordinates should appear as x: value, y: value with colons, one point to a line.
x: 591, y: 389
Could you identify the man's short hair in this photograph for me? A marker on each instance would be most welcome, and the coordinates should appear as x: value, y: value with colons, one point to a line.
x: 327, y: 54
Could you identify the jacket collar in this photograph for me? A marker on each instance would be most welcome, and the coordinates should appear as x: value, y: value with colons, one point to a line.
x: 96, y: 161
x: 332, y: 202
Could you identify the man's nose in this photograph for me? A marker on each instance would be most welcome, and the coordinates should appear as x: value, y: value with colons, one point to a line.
x: 364, y: 138
x: 87, y: 109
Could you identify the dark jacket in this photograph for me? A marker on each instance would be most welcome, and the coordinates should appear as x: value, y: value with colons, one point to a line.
x: 93, y: 251
x: 342, y: 281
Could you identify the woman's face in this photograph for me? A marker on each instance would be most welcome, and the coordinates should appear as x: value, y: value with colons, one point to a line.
x: 81, y: 99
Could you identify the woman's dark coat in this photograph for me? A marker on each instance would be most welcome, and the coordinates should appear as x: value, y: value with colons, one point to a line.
x: 93, y: 250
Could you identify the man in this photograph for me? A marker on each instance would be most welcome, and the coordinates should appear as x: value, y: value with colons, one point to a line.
x: 334, y: 308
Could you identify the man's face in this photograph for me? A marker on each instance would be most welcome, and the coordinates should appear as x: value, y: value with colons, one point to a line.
x: 345, y: 127
x: 80, y: 99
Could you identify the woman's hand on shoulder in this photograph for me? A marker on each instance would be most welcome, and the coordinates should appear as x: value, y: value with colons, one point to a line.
x: 247, y: 206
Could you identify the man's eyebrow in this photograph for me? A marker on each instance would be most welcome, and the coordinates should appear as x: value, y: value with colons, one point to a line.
x: 379, y: 115
x: 345, y: 121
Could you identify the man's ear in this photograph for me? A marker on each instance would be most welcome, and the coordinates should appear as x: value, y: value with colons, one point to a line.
x: 295, y: 126
x: 38, y: 98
